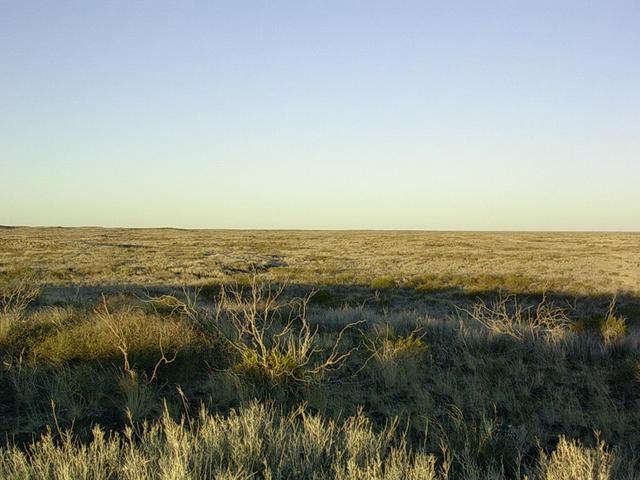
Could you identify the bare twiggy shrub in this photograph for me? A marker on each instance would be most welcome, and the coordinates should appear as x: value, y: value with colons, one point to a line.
x: 118, y: 334
x: 273, y: 336
x: 18, y: 293
x: 123, y: 345
x: 507, y: 316
x: 15, y: 297
x: 170, y: 304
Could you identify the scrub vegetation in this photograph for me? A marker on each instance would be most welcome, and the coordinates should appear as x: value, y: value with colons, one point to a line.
x: 318, y: 355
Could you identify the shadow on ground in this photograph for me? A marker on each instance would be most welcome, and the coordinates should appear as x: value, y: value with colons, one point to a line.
x: 437, y: 302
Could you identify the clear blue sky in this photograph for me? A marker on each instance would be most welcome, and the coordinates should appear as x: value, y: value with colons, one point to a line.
x: 418, y: 115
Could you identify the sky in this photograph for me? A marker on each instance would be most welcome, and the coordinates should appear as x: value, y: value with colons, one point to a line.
x: 447, y: 115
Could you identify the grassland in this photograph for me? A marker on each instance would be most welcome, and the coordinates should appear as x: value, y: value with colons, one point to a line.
x: 574, y: 263
x: 224, y: 354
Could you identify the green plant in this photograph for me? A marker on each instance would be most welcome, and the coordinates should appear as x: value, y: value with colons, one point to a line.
x: 7, y: 321
x: 613, y: 327
x: 387, y: 346
x: 383, y: 283
x: 139, y: 399
x: 129, y: 337
x: 610, y: 327
x: 394, y: 359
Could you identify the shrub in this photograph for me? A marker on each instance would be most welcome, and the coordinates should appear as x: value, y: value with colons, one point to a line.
x: 101, y: 338
x: 7, y: 321
x: 396, y: 359
x: 138, y: 397
x: 273, y: 367
x: 381, y: 283
x: 388, y: 346
x: 614, y: 327
x: 610, y: 327
x: 274, y: 340
x: 507, y: 316
x: 18, y: 292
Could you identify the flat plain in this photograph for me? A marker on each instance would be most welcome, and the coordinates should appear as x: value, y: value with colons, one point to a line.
x: 573, y: 263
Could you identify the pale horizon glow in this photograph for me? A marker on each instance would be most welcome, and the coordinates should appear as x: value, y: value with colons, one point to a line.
x: 457, y: 115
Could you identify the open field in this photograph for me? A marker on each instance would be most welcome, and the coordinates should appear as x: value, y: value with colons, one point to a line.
x: 574, y: 263
x: 287, y: 354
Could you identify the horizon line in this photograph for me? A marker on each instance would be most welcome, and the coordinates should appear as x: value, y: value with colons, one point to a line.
x: 299, y: 229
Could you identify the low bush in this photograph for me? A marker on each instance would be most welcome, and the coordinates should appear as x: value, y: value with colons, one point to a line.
x: 263, y: 443
x: 383, y: 283
x: 610, y: 327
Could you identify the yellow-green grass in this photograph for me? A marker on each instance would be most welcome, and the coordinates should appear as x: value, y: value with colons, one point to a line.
x: 572, y: 263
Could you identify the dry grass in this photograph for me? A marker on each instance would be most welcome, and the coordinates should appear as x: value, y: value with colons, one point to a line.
x: 260, y: 442
x: 583, y: 263
x: 259, y: 381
